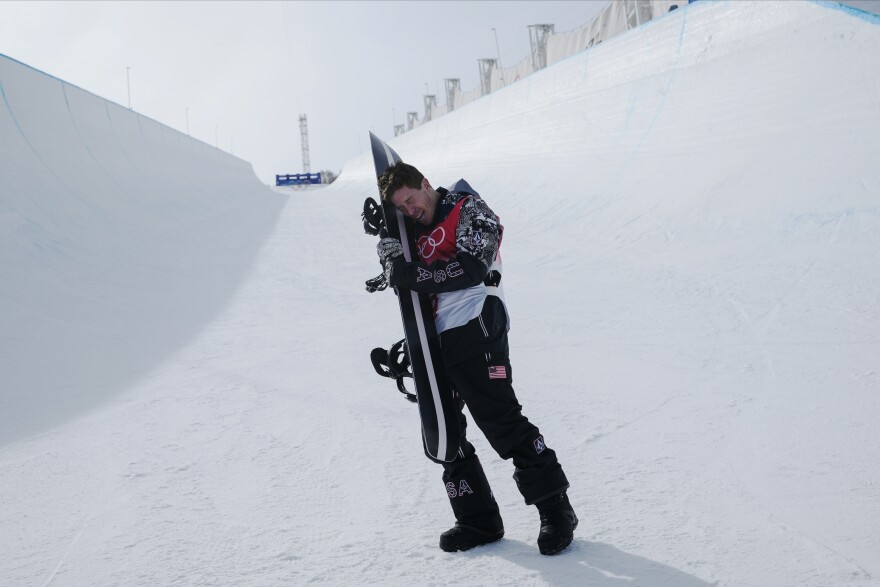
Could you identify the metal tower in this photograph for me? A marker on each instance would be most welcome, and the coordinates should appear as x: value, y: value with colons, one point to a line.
x: 453, y: 85
x: 430, y: 105
x: 538, y: 34
x: 486, y: 67
x: 304, y: 142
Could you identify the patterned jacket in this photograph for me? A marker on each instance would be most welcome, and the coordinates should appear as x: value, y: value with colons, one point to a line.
x: 459, y: 263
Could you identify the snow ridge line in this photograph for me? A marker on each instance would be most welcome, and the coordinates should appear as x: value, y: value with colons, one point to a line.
x: 851, y: 10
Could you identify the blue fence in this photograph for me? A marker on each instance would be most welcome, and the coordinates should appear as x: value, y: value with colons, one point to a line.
x: 297, y: 179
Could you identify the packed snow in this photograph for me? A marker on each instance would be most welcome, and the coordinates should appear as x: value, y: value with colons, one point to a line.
x: 692, y: 267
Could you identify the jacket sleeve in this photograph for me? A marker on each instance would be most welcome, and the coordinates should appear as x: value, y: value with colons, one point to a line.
x: 477, y: 235
x: 461, y: 272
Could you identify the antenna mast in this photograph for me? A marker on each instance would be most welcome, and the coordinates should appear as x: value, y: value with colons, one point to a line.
x: 304, y: 142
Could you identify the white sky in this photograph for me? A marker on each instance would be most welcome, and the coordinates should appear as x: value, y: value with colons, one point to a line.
x: 246, y: 70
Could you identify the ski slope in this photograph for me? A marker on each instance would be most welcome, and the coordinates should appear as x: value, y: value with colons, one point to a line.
x: 692, y: 266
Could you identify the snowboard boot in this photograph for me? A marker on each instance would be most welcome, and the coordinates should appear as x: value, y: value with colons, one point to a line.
x: 464, y: 537
x: 478, y: 520
x: 558, y: 522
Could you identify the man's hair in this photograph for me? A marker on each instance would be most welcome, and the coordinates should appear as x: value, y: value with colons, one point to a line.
x: 397, y: 176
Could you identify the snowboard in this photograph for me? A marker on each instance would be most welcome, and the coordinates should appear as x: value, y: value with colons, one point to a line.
x: 438, y: 409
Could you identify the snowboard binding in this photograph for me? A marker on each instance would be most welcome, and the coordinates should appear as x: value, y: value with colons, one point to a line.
x: 378, y: 283
x: 394, y: 363
x: 374, y: 222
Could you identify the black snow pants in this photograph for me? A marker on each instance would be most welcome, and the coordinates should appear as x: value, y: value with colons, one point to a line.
x: 484, y: 383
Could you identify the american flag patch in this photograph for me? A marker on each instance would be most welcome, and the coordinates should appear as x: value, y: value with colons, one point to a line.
x: 499, y: 372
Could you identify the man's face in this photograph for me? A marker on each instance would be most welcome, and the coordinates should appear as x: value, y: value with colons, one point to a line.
x: 415, y: 203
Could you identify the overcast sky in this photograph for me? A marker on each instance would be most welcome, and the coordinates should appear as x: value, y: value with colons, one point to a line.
x: 246, y: 70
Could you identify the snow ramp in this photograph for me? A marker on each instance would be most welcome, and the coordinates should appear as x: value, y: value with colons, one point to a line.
x: 119, y: 238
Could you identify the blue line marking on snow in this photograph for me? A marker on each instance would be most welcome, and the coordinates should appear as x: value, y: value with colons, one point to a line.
x: 851, y: 10
x: 586, y: 66
x: 77, y: 129
x: 31, y: 147
x: 21, y: 130
x: 122, y: 149
x: 672, y: 76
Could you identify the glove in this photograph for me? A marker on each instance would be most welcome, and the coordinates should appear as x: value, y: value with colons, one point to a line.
x: 389, y: 249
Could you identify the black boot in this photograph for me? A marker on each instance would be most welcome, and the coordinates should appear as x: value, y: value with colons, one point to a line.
x: 464, y: 537
x: 478, y: 520
x: 557, y: 524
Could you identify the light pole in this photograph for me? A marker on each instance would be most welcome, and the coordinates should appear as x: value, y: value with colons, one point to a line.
x: 500, y: 69
x: 128, y: 83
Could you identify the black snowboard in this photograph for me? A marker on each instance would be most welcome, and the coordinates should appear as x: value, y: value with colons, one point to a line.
x: 437, y: 404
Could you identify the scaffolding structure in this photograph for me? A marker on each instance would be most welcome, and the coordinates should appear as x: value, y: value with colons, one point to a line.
x: 538, y: 34
x: 486, y: 67
x: 430, y: 105
x: 453, y: 86
x: 304, y: 142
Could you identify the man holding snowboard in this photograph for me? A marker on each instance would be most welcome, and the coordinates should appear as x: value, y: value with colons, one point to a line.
x: 458, y: 239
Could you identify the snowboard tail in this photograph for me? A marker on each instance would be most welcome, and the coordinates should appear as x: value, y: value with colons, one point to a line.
x: 437, y: 403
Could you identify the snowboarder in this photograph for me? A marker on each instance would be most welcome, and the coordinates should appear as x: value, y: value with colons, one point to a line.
x: 458, y: 239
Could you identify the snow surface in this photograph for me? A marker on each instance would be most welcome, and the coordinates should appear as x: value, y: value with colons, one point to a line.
x: 692, y: 257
